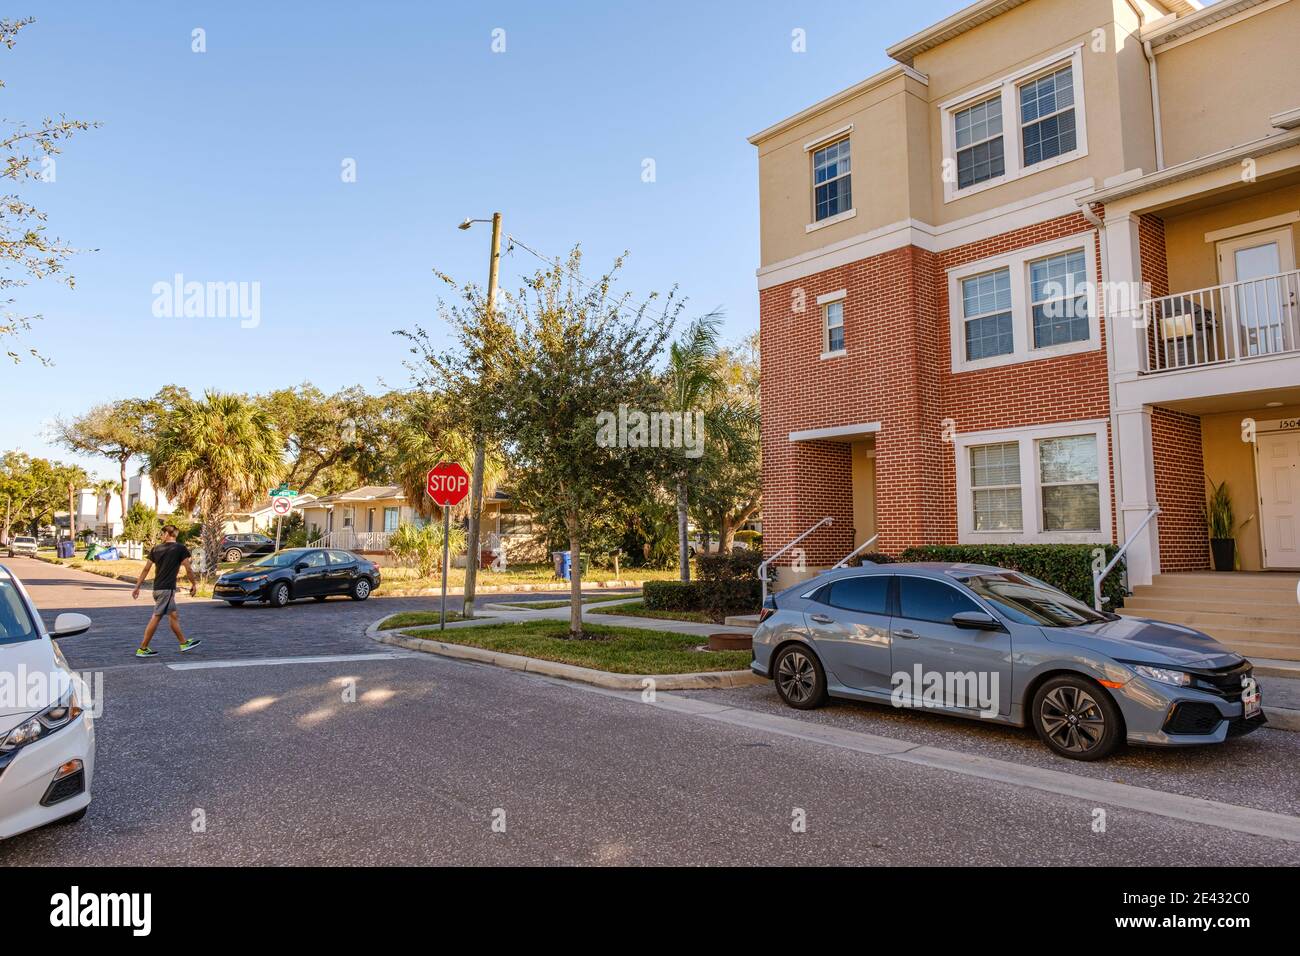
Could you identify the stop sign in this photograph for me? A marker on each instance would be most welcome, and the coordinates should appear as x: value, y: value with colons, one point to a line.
x: 447, y: 483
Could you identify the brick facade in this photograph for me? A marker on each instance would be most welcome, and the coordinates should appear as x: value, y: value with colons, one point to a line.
x: 1180, y: 490
x: 897, y: 371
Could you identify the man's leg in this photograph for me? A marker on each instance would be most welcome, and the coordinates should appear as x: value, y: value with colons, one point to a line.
x: 174, y: 619
x: 150, y: 628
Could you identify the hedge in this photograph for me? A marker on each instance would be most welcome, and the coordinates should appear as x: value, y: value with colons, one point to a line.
x: 671, y: 595
x: 1064, y: 566
x: 727, y: 584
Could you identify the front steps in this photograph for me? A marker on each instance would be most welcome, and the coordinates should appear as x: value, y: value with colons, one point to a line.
x: 1256, y: 613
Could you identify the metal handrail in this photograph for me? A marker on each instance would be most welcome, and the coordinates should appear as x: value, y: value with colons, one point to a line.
x: 762, y: 568
x: 1099, y: 576
x: 856, y: 551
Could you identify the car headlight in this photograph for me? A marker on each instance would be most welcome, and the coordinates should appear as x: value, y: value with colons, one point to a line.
x: 52, y: 718
x: 255, y: 577
x: 1163, y: 675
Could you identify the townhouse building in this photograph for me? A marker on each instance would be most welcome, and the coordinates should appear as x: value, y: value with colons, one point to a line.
x: 1036, y: 279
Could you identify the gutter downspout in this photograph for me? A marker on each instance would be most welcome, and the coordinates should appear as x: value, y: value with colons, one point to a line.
x: 1155, y: 85
x: 1117, y: 484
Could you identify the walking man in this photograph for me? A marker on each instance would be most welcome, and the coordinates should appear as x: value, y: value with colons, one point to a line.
x: 169, y: 556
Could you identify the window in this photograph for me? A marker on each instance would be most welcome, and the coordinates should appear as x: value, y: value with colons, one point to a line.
x: 865, y: 594
x: 833, y: 339
x: 1047, y: 116
x: 391, y: 518
x: 313, y: 559
x: 978, y: 132
x: 832, y: 192
x: 1059, y: 299
x: 925, y: 599
x: 995, y: 486
x: 15, y: 622
x: 341, y: 557
x: 1070, y: 487
x: 1040, y: 484
x: 986, y: 309
x: 517, y: 522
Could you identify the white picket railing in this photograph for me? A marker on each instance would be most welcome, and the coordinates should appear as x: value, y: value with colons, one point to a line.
x: 350, y: 540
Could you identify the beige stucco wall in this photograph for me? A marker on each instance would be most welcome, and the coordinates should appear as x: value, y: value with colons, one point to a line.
x: 1193, y: 261
x: 1219, y: 89
x: 1229, y: 458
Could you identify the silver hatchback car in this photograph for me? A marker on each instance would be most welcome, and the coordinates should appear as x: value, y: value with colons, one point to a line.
x: 993, y: 644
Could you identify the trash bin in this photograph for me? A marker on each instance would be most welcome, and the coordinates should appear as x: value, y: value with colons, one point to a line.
x: 564, y: 565
x: 108, y: 554
x: 557, y: 558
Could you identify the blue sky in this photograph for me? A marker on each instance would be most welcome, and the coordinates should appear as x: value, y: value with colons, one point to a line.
x: 225, y: 166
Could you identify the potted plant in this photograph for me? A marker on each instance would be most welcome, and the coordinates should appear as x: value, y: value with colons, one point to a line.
x: 1219, y: 520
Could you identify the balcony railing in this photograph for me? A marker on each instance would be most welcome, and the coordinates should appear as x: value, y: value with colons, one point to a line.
x: 349, y: 540
x: 1234, y: 322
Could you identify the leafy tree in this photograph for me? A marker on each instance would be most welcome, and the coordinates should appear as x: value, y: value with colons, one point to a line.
x: 569, y: 350
x: 27, y: 252
x: 215, y: 456
x: 427, y: 431
x: 118, y: 431
x: 727, y: 486
x: 70, y: 479
x: 21, y: 484
x: 324, y: 435
x: 141, y: 524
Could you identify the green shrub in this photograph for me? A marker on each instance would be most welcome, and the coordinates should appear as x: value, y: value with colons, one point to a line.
x: 1064, y: 566
x: 729, y: 583
x: 671, y: 595
x: 727, y: 567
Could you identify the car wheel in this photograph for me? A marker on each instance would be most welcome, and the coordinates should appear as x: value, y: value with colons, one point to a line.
x: 74, y: 817
x: 1076, y: 718
x: 235, y: 603
x: 234, y: 554
x: 800, y: 678
x: 360, y: 589
x: 280, y: 595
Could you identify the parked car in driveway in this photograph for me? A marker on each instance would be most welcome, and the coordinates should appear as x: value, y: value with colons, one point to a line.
x: 22, y: 544
x: 47, y: 737
x: 297, y: 573
x: 938, y: 635
x: 236, y: 547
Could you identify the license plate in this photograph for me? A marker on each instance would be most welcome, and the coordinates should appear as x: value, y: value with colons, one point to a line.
x: 1250, y: 702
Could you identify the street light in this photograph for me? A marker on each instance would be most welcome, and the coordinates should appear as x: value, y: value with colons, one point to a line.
x: 469, y: 222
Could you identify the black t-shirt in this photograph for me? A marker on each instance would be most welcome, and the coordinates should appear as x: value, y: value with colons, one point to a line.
x: 167, y: 559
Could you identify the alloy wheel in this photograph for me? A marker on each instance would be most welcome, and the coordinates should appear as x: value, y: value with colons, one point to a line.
x: 796, y: 676
x: 362, y: 589
x: 1072, y: 718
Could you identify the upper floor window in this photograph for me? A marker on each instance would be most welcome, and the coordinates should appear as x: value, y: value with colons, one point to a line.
x: 1058, y: 295
x: 833, y: 337
x: 986, y: 311
x: 832, y: 189
x: 1025, y: 122
x: 979, y: 142
x: 1047, y: 116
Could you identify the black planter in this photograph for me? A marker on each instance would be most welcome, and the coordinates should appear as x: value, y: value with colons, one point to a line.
x: 1224, y: 551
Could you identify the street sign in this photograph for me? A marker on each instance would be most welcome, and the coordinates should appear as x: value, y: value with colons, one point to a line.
x: 447, y: 484
x: 281, y: 505
x: 282, y: 492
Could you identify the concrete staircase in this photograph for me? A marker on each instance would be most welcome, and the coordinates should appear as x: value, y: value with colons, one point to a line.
x: 1255, y: 613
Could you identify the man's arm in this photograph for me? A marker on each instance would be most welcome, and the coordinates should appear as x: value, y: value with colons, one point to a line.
x: 189, y: 575
x: 144, y: 573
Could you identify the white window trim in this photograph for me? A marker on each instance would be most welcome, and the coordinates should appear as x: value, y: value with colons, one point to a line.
x: 822, y: 302
x: 1012, y: 148
x: 1031, y: 498
x: 811, y: 148
x: 1022, y: 318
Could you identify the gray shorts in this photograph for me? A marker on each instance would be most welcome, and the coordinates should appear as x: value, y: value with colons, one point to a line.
x: 164, y: 602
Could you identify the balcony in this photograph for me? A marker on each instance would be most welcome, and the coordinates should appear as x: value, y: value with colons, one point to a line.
x: 1229, y: 324
x: 349, y: 540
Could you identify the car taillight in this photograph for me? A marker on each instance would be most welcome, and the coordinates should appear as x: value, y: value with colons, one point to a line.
x: 765, y: 613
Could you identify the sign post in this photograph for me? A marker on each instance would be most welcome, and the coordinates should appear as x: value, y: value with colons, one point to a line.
x: 281, y: 505
x: 447, y: 484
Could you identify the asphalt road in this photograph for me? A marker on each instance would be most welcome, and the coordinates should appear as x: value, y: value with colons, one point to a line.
x: 412, y: 758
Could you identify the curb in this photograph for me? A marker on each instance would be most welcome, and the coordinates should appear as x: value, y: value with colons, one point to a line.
x: 1282, y: 718
x: 705, y: 680
x: 459, y: 590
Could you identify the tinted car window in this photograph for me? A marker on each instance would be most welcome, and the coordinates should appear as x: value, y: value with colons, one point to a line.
x: 340, y: 557
x: 866, y: 594
x: 15, y: 623
x: 314, y: 559
x: 925, y: 599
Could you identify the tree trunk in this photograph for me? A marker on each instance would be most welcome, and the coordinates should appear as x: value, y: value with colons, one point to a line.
x: 121, y: 491
x: 575, y: 578
x: 472, y: 547
x: 211, y: 538
x: 683, y: 550
x: 72, y: 512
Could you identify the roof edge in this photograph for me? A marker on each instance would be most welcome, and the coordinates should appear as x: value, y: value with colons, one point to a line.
x: 889, y: 73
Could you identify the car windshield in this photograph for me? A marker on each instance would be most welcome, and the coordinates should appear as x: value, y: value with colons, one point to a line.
x: 24, y: 540
x: 15, y: 622
x: 1029, y: 601
x: 281, y: 559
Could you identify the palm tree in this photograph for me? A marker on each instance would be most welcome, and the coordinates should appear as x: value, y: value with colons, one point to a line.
x: 105, y: 489
x: 426, y: 434
x: 214, y: 457
x: 694, y: 378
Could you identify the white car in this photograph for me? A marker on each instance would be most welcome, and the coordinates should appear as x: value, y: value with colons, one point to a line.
x: 47, y: 736
x: 22, y: 544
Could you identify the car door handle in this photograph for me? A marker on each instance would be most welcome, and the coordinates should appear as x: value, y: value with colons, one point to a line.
x: 823, y: 619
x: 906, y: 633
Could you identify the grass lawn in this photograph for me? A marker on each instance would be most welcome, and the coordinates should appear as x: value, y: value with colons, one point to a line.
x: 418, y: 618
x: 638, y: 609
x: 544, y: 605
x: 538, y: 573
x: 619, y: 650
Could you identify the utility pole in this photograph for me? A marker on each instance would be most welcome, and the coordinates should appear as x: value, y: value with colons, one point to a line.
x: 476, y: 475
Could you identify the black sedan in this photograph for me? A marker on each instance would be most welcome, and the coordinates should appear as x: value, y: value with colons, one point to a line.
x: 298, y: 573
x: 236, y: 547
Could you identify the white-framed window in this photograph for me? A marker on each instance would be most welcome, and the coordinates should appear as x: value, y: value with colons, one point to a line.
x: 1028, y: 121
x: 1034, y: 485
x: 1036, y: 302
x: 832, y: 306
x: 832, y: 180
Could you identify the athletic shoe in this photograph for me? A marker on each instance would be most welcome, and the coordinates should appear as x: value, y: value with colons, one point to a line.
x: 190, y: 645
x: 145, y: 652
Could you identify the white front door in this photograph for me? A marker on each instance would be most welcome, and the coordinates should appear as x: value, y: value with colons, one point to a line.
x: 1264, y: 302
x: 1278, y: 454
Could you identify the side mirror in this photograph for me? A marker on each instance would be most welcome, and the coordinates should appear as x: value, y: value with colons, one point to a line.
x: 300, y: 566
x: 976, y: 621
x: 70, y: 625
